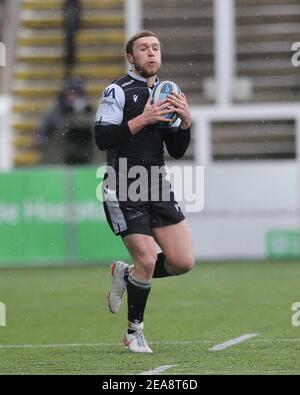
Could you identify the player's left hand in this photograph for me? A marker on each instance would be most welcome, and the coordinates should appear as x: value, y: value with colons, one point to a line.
x: 182, y: 108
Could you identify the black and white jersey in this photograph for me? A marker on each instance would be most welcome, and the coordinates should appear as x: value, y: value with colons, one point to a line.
x: 120, y: 102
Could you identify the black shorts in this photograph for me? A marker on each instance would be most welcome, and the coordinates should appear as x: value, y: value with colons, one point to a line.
x: 126, y: 218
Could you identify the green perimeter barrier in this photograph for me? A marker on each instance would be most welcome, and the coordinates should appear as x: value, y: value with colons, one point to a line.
x: 283, y: 243
x: 52, y: 216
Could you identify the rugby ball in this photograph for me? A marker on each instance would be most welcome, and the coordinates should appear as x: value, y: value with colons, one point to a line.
x: 161, y: 92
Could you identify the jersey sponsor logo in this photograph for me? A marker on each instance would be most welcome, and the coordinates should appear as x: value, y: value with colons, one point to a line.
x: 127, y: 83
x: 105, y: 101
x: 135, y: 97
x: 110, y: 92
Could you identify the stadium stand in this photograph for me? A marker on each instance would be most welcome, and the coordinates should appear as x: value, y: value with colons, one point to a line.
x: 1, y: 31
x: 1, y: 17
x: 264, y: 34
x: 253, y: 140
x: 186, y: 32
x: 40, y: 61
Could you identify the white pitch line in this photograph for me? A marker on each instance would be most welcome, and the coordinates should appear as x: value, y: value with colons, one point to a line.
x: 157, y: 370
x: 276, y: 340
x: 232, y: 342
x: 171, y: 342
x: 182, y: 342
x: 57, y: 345
x: 166, y: 342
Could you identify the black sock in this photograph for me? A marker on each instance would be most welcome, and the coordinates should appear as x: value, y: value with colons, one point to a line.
x: 126, y: 274
x: 161, y: 267
x: 137, y: 295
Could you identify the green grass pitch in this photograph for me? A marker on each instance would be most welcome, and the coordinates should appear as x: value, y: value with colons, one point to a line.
x: 64, y: 310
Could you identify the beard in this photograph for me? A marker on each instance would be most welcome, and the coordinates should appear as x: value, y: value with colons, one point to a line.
x: 146, y: 72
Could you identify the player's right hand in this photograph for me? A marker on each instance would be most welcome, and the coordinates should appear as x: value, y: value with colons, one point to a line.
x: 154, y: 113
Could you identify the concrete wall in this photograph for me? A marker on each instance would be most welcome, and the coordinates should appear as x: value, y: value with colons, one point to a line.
x: 244, y: 204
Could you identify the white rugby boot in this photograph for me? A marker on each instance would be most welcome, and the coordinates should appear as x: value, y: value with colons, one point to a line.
x: 118, y: 286
x: 136, y: 341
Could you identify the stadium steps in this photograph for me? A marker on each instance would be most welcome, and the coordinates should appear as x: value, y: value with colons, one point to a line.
x: 1, y: 20
x: 54, y: 37
x: 25, y: 140
x: 267, y: 13
x: 262, y: 67
x: 253, y: 140
x: 39, y: 89
x: 269, y: 32
x: 44, y: 72
x: 58, y: 4
x: 54, y: 19
x: 27, y: 157
x: 51, y: 55
x: 25, y: 125
x: 254, y: 3
x: 39, y: 66
x: 26, y: 106
x: 186, y: 30
x: 265, y: 33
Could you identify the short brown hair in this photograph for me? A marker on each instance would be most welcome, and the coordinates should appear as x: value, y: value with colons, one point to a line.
x: 136, y: 36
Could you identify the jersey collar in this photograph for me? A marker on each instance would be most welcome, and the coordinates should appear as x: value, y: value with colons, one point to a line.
x: 140, y: 78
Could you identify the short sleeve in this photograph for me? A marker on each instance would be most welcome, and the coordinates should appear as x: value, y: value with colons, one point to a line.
x: 111, y: 106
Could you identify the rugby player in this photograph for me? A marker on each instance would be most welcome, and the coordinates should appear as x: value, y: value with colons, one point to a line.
x: 131, y: 128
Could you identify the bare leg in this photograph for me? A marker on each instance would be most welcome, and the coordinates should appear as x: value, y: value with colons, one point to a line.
x: 176, y: 244
x: 142, y: 248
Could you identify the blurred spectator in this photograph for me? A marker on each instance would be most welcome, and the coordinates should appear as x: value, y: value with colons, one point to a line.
x: 72, y: 12
x: 66, y: 130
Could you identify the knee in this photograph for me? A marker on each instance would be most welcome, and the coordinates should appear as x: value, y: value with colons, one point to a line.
x: 146, y: 260
x: 187, y: 264
x: 190, y: 263
x: 183, y: 265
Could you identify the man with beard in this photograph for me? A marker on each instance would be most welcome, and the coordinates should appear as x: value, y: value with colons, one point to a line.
x: 133, y: 130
